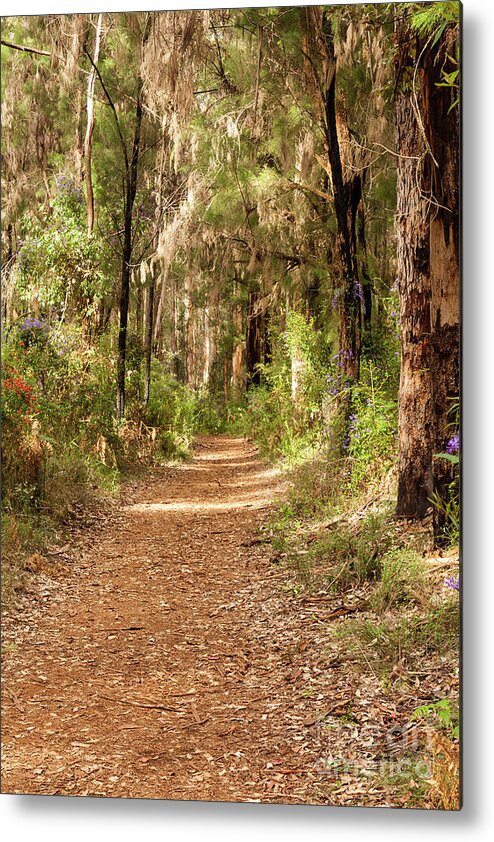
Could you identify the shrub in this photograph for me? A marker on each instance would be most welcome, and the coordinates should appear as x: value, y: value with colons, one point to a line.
x: 373, y: 423
x: 284, y: 414
x: 19, y: 402
x: 171, y: 409
x: 402, y: 580
x: 316, y: 487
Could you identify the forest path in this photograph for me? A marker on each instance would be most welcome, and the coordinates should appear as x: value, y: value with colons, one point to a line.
x: 155, y: 664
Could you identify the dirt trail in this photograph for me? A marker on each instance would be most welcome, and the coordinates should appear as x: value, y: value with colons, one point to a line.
x: 151, y: 666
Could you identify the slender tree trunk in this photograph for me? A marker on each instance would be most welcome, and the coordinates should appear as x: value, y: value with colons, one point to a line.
x: 298, y: 370
x: 347, y: 196
x: 138, y: 311
x: 130, y: 194
x: 158, y: 318
x: 206, y: 346
x: 253, y: 340
x: 364, y: 271
x: 79, y: 141
x: 266, y: 344
x: 90, y: 129
x: 148, y: 344
x: 238, y: 350
x: 225, y: 378
x: 415, y: 407
x: 190, y: 357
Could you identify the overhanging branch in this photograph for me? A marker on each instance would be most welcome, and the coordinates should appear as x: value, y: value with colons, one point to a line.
x: 23, y: 49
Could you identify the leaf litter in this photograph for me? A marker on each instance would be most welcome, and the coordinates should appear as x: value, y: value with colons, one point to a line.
x: 168, y: 659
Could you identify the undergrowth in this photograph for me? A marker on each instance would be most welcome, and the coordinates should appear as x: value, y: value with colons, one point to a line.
x: 62, y: 443
x: 338, y: 539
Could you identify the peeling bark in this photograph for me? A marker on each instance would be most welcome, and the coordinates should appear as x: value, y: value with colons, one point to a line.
x: 427, y: 221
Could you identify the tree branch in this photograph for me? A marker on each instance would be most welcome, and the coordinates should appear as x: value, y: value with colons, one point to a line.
x: 25, y: 49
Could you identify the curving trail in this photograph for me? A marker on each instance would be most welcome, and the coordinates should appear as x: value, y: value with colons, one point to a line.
x: 154, y: 664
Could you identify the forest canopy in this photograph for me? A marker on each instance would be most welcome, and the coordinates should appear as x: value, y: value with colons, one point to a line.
x: 241, y: 219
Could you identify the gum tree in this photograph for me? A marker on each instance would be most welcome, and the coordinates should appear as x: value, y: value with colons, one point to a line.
x: 427, y: 222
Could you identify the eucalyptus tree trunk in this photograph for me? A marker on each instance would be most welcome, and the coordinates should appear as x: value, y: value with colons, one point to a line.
x: 225, y: 379
x: 427, y: 220
x: 415, y: 407
x: 442, y: 179
x: 189, y: 334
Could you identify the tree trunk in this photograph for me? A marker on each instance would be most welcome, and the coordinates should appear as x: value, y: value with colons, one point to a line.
x: 364, y: 271
x: 441, y: 176
x: 148, y: 340
x: 415, y: 415
x: 225, y: 378
x: 238, y: 346
x: 208, y: 346
x: 130, y: 194
x: 347, y: 195
x: 253, y: 340
x: 190, y: 351
x: 90, y: 129
x: 79, y: 140
x: 266, y: 345
x: 298, y: 370
x: 138, y: 311
x: 428, y: 273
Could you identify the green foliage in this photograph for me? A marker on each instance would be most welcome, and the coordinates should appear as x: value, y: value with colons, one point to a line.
x: 450, y: 507
x: 58, y: 265
x: 356, y: 557
x: 316, y: 488
x: 171, y: 409
x: 435, y: 17
x: 444, y: 714
x: 449, y: 503
x: 179, y: 412
x: 301, y: 412
x: 372, y: 428
x: 285, y: 422
x: 73, y: 379
x: 211, y: 416
x: 71, y: 475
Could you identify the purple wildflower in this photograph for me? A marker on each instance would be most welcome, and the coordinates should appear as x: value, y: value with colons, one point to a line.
x: 453, y: 445
x: 452, y: 582
x: 30, y: 324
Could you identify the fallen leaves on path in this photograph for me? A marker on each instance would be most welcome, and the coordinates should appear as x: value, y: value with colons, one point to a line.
x: 167, y: 659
